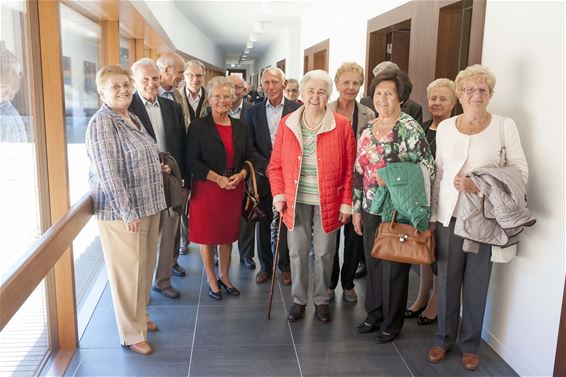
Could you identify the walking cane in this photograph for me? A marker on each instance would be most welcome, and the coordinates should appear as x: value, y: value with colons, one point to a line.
x: 274, y: 272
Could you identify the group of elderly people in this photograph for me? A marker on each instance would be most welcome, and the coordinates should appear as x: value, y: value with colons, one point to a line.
x: 325, y: 172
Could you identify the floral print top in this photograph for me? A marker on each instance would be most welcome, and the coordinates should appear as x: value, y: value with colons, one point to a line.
x: 406, y: 142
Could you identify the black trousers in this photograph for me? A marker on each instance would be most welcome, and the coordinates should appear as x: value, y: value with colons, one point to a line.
x: 387, y: 284
x: 267, y: 236
x: 353, y: 246
x: 246, y: 239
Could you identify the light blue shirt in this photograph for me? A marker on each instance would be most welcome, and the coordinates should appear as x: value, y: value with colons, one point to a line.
x: 166, y: 93
x: 274, y: 115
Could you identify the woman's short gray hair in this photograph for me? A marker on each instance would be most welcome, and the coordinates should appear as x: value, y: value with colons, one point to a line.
x: 317, y: 74
x: 220, y: 81
x: 476, y: 70
x: 443, y: 83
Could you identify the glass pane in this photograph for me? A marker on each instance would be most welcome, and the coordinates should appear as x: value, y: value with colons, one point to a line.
x: 124, y: 52
x: 19, y: 227
x: 80, y: 44
x: 90, y: 278
x: 24, y: 341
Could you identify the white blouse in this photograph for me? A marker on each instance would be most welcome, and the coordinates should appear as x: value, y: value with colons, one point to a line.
x: 459, y: 154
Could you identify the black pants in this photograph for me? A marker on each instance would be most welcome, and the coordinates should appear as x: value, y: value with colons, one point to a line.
x: 267, y: 236
x: 246, y: 239
x: 353, y: 246
x: 387, y: 284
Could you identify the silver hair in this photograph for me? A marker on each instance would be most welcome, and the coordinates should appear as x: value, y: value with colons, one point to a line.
x: 220, y: 81
x: 383, y: 66
x: 317, y: 74
x: 194, y: 62
x: 167, y: 60
x: 143, y: 62
x: 275, y: 72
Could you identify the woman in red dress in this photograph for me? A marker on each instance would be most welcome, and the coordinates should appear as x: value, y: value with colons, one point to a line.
x: 218, y: 145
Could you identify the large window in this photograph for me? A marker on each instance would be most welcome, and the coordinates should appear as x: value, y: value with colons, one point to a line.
x: 80, y: 45
x: 24, y: 342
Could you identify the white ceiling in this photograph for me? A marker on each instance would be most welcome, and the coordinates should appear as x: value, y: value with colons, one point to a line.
x: 229, y: 23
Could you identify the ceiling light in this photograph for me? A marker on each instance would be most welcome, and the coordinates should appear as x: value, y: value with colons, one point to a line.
x: 232, y: 65
x: 253, y: 37
x: 250, y: 45
x: 258, y: 27
x: 247, y: 50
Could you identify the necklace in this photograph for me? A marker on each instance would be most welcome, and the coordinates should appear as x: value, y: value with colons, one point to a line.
x: 308, y: 124
x: 381, y: 129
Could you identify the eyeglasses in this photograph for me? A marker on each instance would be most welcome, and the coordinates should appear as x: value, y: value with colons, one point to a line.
x: 116, y: 87
x: 471, y: 90
x: 225, y: 98
x: 191, y: 76
x: 291, y: 90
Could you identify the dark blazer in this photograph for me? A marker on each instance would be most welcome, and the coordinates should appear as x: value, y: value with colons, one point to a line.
x: 256, y: 119
x: 174, y: 128
x: 206, y: 150
x: 409, y: 107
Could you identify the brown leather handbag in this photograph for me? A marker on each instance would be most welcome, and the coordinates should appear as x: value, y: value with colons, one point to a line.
x: 250, y: 207
x: 403, y: 243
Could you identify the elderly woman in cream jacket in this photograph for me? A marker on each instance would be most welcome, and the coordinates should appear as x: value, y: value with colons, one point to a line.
x: 475, y: 139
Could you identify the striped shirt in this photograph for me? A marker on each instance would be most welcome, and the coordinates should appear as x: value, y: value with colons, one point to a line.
x: 125, y: 173
x: 307, y: 192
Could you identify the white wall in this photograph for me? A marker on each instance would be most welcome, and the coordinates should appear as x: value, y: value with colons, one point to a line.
x: 185, y: 36
x: 524, y: 47
x: 279, y: 50
x: 345, y: 24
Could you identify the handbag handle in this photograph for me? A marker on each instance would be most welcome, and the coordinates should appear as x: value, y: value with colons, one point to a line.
x: 393, y: 222
x: 252, y: 176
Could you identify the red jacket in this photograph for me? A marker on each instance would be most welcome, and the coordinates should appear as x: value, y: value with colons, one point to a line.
x: 336, y: 152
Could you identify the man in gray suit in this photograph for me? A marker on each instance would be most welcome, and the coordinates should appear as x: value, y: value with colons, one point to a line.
x: 409, y: 107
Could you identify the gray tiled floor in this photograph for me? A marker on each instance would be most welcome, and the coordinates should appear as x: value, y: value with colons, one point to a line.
x: 202, y: 337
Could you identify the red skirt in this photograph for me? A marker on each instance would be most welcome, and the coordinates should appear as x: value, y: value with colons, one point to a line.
x: 214, y: 213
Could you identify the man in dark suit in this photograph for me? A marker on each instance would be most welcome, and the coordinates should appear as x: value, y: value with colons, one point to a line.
x: 408, y: 107
x: 246, y: 241
x: 263, y: 119
x: 163, y: 120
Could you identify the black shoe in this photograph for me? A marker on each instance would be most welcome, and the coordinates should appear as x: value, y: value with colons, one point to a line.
x: 215, y: 295
x: 216, y: 261
x: 248, y: 262
x: 230, y: 290
x: 296, y: 312
x: 385, y: 337
x: 366, y: 328
x: 177, y: 270
x: 322, y: 313
x: 423, y: 320
x: 167, y: 292
x: 361, y: 271
x: 414, y: 314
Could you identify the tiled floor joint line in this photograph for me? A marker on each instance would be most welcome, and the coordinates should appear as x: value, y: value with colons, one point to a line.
x: 196, y: 323
x: 402, y: 359
x: 290, y: 331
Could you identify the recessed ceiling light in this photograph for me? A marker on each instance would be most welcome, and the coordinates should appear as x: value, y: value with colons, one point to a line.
x: 247, y: 50
x: 253, y: 37
x: 250, y: 45
x: 232, y: 65
x: 258, y: 27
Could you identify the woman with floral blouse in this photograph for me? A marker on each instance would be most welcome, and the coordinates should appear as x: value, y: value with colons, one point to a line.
x: 392, y: 137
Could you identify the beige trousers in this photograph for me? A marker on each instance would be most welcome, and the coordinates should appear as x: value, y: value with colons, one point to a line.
x: 130, y: 262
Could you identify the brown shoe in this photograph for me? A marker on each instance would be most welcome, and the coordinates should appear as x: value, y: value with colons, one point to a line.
x: 286, y: 278
x: 262, y: 277
x: 143, y: 348
x: 152, y: 326
x: 470, y: 361
x: 436, y: 354
x: 322, y: 313
x: 296, y: 312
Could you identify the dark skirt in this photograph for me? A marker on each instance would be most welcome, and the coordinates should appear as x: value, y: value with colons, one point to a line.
x: 214, y: 213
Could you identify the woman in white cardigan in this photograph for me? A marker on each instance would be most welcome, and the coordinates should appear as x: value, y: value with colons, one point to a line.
x: 466, y: 142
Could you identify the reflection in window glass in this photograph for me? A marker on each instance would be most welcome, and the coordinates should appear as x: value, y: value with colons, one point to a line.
x: 24, y: 340
x: 124, y: 52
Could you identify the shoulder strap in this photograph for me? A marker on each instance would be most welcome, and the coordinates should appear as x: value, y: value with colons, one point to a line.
x: 502, y: 150
x: 253, y: 180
